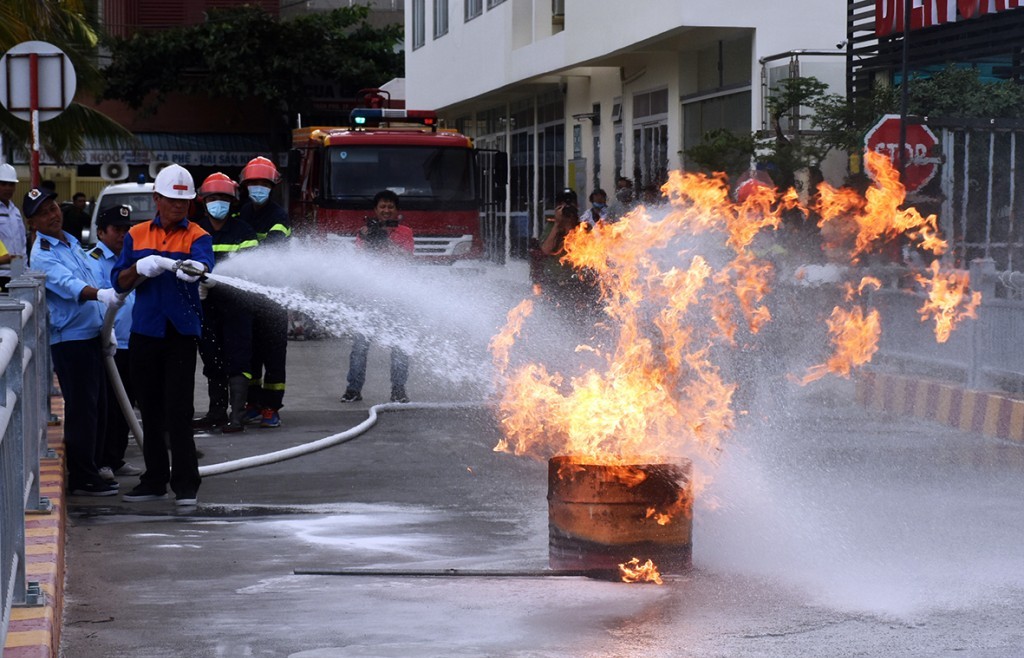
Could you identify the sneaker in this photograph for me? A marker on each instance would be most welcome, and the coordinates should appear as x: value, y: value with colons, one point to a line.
x: 101, y: 488
x: 270, y: 418
x: 209, y: 422
x: 107, y: 473
x: 128, y: 468
x: 186, y: 500
x: 252, y: 415
x: 142, y: 493
x: 232, y: 427
x: 398, y: 395
x: 351, y: 396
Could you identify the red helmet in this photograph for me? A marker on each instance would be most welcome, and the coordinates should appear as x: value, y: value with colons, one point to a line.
x: 260, y: 168
x: 218, y: 183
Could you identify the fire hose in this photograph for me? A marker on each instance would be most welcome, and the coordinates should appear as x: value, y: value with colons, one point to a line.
x: 254, y: 460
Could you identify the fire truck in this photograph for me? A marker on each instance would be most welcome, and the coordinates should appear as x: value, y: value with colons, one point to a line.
x: 442, y: 181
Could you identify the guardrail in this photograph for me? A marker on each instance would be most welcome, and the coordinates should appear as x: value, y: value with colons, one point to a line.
x: 982, y: 353
x: 25, y: 377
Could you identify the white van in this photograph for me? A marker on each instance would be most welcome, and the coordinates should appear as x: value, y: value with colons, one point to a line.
x: 139, y: 196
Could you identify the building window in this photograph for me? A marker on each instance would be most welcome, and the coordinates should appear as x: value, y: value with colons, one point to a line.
x: 474, y: 8
x: 491, y: 4
x: 419, y: 24
x: 650, y: 138
x: 440, y: 18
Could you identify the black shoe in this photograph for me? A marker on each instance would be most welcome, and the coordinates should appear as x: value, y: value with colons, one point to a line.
x: 100, y: 488
x: 143, y: 493
x: 186, y: 500
x: 231, y: 427
x: 209, y: 422
x: 351, y: 396
x: 398, y: 395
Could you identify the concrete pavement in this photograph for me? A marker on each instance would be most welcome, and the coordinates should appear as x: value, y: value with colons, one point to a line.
x: 828, y: 530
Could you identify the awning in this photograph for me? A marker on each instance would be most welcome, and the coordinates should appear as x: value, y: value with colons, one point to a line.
x: 186, y: 149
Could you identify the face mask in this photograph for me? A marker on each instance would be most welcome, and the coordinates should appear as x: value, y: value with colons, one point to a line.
x: 599, y: 206
x: 218, y: 209
x: 259, y: 194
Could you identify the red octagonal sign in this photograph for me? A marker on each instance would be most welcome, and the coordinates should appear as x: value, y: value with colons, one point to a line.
x: 884, y: 138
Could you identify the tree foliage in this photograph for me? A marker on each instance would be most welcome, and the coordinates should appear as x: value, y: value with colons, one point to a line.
x: 839, y: 123
x: 244, y: 53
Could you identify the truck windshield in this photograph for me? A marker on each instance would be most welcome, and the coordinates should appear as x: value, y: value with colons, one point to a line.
x: 412, y: 172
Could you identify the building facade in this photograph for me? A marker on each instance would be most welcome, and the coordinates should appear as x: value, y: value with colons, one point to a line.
x: 581, y: 92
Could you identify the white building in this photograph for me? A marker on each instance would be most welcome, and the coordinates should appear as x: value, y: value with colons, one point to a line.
x: 581, y: 91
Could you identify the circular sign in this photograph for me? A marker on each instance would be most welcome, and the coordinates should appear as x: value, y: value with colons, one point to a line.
x: 921, y: 165
x: 54, y: 78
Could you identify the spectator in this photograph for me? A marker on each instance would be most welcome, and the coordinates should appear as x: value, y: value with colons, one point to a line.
x: 75, y: 217
x: 111, y: 227
x: 598, y: 210
x: 383, y: 233
x: 226, y: 345
x: 270, y: 325
x: 562, y: 283
x: 12, y: 226
x: 72, y: 290
x: 166, y: 325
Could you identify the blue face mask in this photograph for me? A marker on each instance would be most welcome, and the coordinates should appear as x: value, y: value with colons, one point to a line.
x: 218, y: 209
x: 600, y: 206
x: 259, y: 194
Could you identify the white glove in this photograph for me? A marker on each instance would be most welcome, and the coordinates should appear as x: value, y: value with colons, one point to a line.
x: 110, y: 297
x: 185, y: 276
x: 153, y: 265
x: 204, y: 290
x: 110, y: 344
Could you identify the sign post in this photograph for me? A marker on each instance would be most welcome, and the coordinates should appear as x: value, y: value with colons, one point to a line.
x: 918, y: 143
x: 37, y: 83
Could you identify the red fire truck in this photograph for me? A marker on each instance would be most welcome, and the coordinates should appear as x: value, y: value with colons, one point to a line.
x: 441, y: 180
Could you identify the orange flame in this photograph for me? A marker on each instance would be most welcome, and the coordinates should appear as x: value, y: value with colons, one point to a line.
x: 634, y: 572
x: 855, y: 336
x: 947, y: 302
x: 502, y: 342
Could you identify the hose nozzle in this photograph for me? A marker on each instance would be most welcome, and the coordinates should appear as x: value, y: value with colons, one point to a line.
x: 189, y: 269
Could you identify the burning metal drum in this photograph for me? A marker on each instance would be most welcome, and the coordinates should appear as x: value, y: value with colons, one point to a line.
x: 601, y: 515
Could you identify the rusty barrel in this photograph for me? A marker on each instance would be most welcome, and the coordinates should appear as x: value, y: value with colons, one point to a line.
x: 602, y: 515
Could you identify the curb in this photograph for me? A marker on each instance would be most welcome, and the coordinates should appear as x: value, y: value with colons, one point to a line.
x: 34, y: 632
x: 992, y: 414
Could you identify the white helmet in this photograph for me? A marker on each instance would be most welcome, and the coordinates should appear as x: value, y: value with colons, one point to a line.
x: 7, y: 174
x: 174, y: 182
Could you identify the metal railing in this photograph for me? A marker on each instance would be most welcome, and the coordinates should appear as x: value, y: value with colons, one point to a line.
x: 25, y: 377
x: 982, y: 353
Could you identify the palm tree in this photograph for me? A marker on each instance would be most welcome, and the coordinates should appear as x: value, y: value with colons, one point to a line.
x: 62, y: 23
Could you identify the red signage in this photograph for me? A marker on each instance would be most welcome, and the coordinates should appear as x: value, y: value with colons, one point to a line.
x: 921, y: 166
x: 929, y: 13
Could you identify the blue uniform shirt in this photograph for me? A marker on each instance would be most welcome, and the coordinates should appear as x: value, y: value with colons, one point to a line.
x: 165, y: 298
x: 68, y: 271
x: 105, y: 259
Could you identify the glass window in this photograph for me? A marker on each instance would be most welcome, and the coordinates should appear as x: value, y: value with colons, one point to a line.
x: 730, y: 112
x: 440, y: 18
x: 411, y: 172
x: 419, y: 24
x: 474, y: 8
x: 494, y: 3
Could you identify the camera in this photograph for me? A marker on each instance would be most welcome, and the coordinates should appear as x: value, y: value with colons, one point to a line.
x: 376, y: 231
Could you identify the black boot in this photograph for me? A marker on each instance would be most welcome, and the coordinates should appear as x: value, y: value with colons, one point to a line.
x: 217, y: 415
x: 238, y: 389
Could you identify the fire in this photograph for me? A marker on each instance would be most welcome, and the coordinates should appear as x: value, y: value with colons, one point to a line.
x: 679, y: 287
x: 947, y: 301
x: 634, y: 572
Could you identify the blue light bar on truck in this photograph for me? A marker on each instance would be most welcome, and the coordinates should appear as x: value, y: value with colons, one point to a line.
x: 363, y: 117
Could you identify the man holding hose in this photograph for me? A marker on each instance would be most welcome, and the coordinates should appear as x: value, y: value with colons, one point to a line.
x: 165, y: 258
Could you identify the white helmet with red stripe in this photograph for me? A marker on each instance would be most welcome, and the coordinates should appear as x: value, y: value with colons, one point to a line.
x: 174, y: 182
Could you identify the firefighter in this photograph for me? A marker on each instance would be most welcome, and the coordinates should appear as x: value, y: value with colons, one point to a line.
x: 270, y: 325
x: 226, y: 343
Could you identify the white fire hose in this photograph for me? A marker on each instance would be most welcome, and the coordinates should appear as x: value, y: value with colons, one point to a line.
x: 270, y: 457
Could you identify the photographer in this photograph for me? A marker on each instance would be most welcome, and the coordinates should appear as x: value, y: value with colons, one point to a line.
x: 382, y: 234
x: 564, y: 285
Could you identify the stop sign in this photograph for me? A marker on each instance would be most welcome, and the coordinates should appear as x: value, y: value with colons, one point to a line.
x: 921, y: 166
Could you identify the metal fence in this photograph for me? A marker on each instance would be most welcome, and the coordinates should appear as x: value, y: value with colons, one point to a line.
x: 986, y: 352
x: 25, y: 376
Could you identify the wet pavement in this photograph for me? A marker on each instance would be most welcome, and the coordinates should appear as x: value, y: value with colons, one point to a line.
x: 827, y: 531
